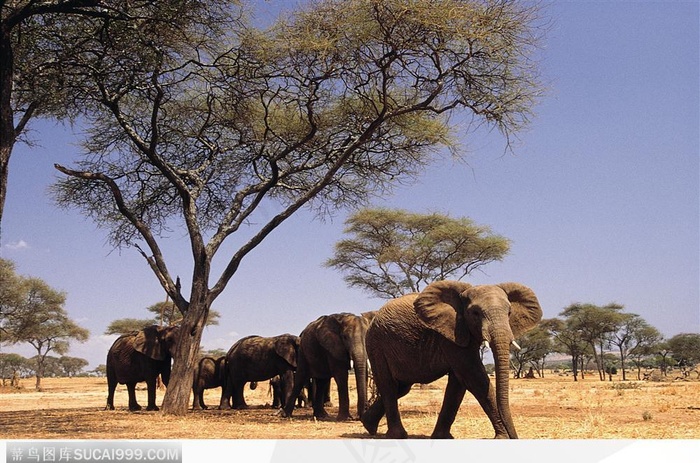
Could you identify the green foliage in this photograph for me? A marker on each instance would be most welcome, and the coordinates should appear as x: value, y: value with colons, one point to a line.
x: 127, y: 325
x: 685, y: 348
x: 394, y: 252
x: 35, y: 315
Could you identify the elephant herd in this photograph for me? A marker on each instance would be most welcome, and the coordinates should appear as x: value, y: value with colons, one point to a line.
x: 416, y: 338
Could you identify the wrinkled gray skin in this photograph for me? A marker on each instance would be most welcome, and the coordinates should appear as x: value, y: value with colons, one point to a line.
x: 326, y: 347
x: 208, y: 375
x: 256, y: 358
x: 140, y: 356
x: 419, y: 338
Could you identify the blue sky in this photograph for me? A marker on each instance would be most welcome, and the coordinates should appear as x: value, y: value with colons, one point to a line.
x: 600, y: 196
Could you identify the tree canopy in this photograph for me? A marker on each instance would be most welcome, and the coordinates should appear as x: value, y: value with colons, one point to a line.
x: 165, y: 314
x: 395, y: 252
x: 36, y: 316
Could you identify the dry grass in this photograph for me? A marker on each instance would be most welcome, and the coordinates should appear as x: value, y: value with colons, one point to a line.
x: 553, y: 407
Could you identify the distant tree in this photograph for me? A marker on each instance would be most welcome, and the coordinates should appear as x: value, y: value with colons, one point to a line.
x: 231, y: 129
x: 394, y: 252
x: 40, y: 320
x: 567, y: 339
x: 596, y: 325
x: 165, y: 313
x: 10, y: 368
x: 215, y: 353
x: 645, y: 342
x: 610, y: 362
x: 72, y: 366
x: 631, y: 331
x: 101, y: 370
x: 685, y: 349
x: 127, y: 325
x: 535, y: 346
x: 46, y: 366
x: 663, y: 350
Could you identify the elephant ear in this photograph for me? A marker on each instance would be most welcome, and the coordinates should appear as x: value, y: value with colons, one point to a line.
x: 148, y: 342
x: 525, y: 308
x: 286, y: 346
x: 329, y: 335
x: 439, y: 307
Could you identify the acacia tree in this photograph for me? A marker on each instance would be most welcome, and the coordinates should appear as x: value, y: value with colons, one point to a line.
x: 40, y: 320
x: 394, y: 252
x: 645, y: 342
x: 633, y: 332
x: 328, y: 107
x: 685, y: 349
x: 536, y: 345
x: 567, y: 339
x: 165, y: 314
x: 595, y: 325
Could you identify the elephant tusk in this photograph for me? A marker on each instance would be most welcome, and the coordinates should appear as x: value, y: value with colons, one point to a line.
x: 485, y: 344
x: 515, y: 344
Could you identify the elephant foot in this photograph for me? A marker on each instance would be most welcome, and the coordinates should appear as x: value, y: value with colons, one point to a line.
x: 152, y: 408
x: 397, y: 433
x: 344, y: 417
x: 322, y: 416
x: 109, y: 407
x: 240, y: 407
x: 441, y: 435
x: 134, y: 408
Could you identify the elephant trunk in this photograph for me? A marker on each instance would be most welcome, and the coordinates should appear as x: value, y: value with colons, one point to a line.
x: 359, y: 360
x: 501, y: 356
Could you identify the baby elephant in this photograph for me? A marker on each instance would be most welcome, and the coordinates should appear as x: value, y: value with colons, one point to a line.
x: 209, y: 374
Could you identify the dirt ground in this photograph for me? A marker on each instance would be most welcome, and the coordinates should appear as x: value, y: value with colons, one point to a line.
x: 554, y: 407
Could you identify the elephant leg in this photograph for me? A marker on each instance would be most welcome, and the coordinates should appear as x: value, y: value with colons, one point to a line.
x: 225, y: 400
x: 341, y: 381
x: 200, y: 399
x: 393, y: 417
x: 480, y: 386
x: 151, y: 390
x: 111, y: 386
x: 322, y: 385
x: 238, y: 399
x: 454, y: 394
x: 133, y: 404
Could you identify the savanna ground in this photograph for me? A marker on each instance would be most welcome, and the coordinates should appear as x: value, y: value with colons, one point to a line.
x: 554, y: 407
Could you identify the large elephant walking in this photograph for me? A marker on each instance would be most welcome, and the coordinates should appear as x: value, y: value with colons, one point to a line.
x: 327, y: 345
x: 140, y: 356
x: 419, y: 338
x: 209, y: 375
x: 257, y: 358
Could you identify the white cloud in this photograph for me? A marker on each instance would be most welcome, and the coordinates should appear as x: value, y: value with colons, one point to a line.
x: 18, y: 245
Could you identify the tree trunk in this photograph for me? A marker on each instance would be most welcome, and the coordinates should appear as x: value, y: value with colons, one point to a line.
x: 7, y: 124
x: 177, y: 397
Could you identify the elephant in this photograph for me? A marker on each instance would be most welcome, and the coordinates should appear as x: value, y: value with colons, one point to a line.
x: 420, y: 337
x: 326, y: 347
x: 140, y: 356
x: 257, y: 358
x: 278, y: 389
x: 209, y: 375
